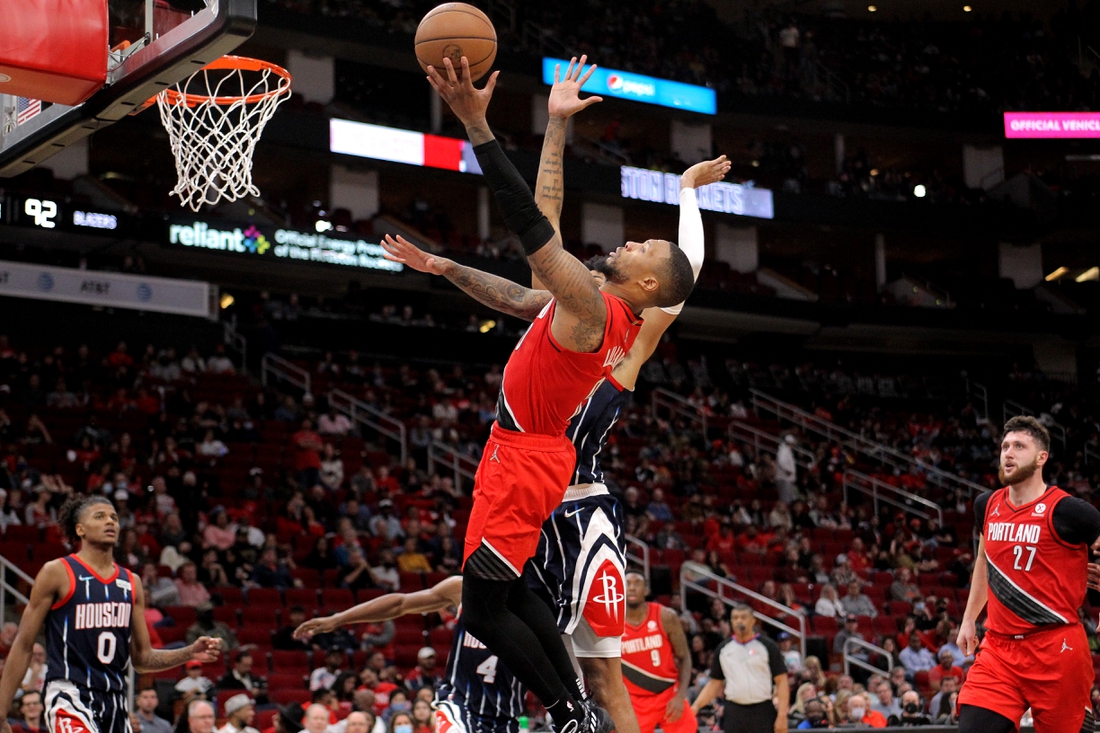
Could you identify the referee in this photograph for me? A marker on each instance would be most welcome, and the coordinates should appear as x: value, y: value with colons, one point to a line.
x: 746, y: 667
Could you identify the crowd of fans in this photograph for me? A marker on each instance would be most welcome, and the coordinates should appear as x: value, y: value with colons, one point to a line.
x: 229, y: 491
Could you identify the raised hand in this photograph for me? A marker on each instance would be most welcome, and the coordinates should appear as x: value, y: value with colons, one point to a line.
x: 403, y: 251
x: 565, y: 98
x: 465, y: 100
x: 314, y: 626
x: 705, y: 173
x: 206, y: 649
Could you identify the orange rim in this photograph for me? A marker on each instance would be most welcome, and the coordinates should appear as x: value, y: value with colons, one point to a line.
x: 240, y: 63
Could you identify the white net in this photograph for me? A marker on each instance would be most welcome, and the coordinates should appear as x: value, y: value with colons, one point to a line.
x: 214, y: 119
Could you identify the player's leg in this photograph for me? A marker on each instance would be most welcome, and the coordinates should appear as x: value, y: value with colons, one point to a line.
x: 1060, y: 660
x: 973, y: 719
x: 68, y: 709
x: 686, y: 723
x: 605, y: 681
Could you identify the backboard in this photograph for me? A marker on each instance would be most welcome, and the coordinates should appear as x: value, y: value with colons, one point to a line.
x: 153, y: 44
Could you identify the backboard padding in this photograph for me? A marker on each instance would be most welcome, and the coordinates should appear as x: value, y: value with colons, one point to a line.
x: 172, y: 56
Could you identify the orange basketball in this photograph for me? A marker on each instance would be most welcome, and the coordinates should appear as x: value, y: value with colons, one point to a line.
x: 454, y: 30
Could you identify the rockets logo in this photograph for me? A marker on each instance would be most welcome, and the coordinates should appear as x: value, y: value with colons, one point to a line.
x: 605, y: 609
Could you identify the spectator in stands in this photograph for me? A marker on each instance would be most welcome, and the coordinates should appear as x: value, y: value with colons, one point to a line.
x: 385, y: 574
x: 321, y: 557
x: 843, y: 574
x: 219, y: 534
x: 411, y: 559
x: 946, y: 668
x: 8, y: 516
x: 241, y: 711
x: 31, y: 711
x: 219, y: 363
x: 903, y: 588
x: 791, y: 656
x: 657, y: 509
x: 358, y: 574
x: 334, y: 423
x: 912, y: 711
x: 211, y: 447
x: 271, y: 572
x: 860, y: 714
x: 205, y: 625
x: 815, y: 715
x: 317, y: 718
x: 425, y: 673
x: 828, y: 604
x: 240, y: 676
x: 401, y: 723
x: 307, y: 447
x: 39, y: 514
x: 194, y: 684
x: 938, y: 706
x: 145, y: 707
x: 385, y: 524
x: 884, y: 701
x: 958, y: 658
x: 191, y: 591
x: 915, y: 658
x: 322, y: 678
x: 857, y: 603
x: 332, y: 468
x: 786, y: 474
x: 284, y: 638
x: 850, y: 631
x: 423, y: 716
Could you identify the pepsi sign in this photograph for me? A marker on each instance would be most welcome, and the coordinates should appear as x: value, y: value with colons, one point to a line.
x: 641, y: 88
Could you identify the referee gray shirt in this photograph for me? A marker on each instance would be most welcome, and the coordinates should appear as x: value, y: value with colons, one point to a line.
x: 748, y: 669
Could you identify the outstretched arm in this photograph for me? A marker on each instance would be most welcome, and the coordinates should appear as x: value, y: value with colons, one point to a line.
x: 682, y: 654
x: 579, y: 320
x: 490, y: 290
x: 146, y: 659
x: 444, y: 594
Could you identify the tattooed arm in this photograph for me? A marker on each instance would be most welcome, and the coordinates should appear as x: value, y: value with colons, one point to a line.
x: 494, y: 291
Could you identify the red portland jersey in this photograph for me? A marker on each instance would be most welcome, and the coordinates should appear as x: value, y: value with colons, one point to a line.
x: 1035, y: 579
x: 544, y: 384
x: 649, y: 667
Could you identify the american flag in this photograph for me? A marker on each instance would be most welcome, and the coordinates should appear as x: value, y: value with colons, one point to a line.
x: 26, y: 108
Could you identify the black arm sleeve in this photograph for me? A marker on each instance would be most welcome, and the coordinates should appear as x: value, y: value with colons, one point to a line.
x: 1076, y: 521
x: 980, y: 503
x: 716, y: 671
x: 516, y: 202
x: 775, y: 657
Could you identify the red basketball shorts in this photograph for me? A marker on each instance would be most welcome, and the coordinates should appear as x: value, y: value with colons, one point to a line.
x: 652, y: 712
x: 1049, y: 671
x: 520, y: 481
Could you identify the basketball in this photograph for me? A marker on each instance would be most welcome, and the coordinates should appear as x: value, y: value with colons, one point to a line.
x: 454, y: 30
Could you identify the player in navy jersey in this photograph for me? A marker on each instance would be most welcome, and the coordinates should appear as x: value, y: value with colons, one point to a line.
x: 478, y: 693
x: 94, y: 617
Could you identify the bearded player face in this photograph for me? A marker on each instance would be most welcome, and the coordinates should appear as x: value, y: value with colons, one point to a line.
x: 1021, y: 457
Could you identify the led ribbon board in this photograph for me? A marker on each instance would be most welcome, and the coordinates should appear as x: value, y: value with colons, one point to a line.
x: 401, y: 146
x: 641, y: 88
x: 725, y: 198
x: 1052, y: 124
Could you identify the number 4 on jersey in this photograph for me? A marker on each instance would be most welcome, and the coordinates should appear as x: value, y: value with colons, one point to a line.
x: 488, y: 670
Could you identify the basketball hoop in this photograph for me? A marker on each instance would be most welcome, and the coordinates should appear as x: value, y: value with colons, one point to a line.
x: 214, y: 119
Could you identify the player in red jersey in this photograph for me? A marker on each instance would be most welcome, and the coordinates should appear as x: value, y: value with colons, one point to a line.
x: 1031, y: 569
x: 656, y: 663
x: 579, y: 334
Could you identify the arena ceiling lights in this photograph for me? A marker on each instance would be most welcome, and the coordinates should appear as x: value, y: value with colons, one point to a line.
x: 640, y: 88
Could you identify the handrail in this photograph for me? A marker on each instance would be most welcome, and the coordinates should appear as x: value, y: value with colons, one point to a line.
x: 1091, y: 453
x: 899, y: 498
x: 459, y: 462
x: 979, y: 392
x: 678, y: 405
x: 638, y: 559
x: 831, y: 431
x: 285, y: 370
x: 7, y: 587
x: 235, y: 341
x: 1012, y: 408
x: 763, y: 440
x: 850, y: 659
x: 702, y: 571
x: 369, y: 415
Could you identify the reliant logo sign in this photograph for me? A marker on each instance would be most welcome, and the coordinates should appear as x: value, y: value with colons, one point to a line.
x: 288, y: 244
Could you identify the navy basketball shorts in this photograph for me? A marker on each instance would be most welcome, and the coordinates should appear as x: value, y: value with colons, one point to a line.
x: 73, y: 709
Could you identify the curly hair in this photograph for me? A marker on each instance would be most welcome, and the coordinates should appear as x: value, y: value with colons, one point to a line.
x: 68, y: 516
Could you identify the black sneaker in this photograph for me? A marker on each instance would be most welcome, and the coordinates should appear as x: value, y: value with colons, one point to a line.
x: 596, y: 719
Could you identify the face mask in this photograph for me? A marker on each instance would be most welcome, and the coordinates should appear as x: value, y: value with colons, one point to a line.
x: 403, y: 729
x: 400, y: 707
x: 912, y: 708
x: 857, y: 714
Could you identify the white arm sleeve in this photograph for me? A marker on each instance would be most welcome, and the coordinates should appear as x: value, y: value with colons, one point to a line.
x: 691, y: 238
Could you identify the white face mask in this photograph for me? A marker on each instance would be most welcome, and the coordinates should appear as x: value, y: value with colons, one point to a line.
x: 857, y: 714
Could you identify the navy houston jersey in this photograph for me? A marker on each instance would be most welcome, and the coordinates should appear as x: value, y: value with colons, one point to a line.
x: 589, y: 429
x: 88, y: 632
x: 478, y: 682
